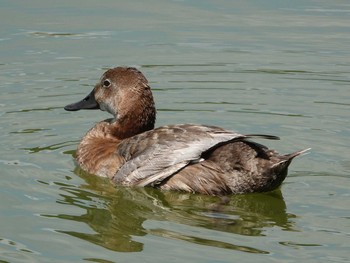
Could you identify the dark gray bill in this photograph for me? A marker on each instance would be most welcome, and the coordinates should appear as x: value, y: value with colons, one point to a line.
x: 88, y: 102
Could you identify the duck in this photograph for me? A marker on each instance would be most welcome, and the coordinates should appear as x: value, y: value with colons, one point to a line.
x: 204, y: 159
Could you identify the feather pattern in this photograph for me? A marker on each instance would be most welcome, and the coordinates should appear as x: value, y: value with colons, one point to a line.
x: 185, y: 157
x: 163, y: 151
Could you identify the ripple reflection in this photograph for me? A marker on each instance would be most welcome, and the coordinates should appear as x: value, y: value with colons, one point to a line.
x: 118, y: 214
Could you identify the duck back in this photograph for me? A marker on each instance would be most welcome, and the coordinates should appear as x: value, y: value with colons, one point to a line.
x: 234, y: 168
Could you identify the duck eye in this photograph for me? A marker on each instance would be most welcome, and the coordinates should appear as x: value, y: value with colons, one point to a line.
x: 106, y: 83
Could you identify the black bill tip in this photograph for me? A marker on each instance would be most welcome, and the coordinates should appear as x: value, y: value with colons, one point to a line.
x: 88, y: 102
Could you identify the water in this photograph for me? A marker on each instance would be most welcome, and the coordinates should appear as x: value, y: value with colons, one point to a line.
x: 251, y: 66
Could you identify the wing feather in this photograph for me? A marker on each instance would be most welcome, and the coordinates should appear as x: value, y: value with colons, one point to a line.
x: 153, y: 156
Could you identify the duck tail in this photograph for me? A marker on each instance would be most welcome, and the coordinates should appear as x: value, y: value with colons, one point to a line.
x: 289, y: 157
x: 297, y: 153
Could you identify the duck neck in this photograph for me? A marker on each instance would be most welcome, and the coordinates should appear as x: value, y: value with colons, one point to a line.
x: 140, y: 118
x: 127, y: 127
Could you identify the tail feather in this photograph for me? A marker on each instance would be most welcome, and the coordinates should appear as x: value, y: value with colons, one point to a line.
x: 297, y: 153
x: 289, y: 157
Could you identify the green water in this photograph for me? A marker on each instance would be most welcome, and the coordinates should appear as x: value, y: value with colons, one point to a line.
x: 251, y: 66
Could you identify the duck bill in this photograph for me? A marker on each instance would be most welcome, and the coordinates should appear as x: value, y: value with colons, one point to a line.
x: 88, y: 103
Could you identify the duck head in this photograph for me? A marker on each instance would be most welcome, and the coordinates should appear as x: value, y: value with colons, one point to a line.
x: 123, y: 92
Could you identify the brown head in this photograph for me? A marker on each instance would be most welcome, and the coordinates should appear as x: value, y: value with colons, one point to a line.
x: 123, y: 92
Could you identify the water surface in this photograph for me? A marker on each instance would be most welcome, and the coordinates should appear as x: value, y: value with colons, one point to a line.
x: 252, y: 66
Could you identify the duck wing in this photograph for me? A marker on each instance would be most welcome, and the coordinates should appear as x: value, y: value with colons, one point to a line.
x: 155, y: 155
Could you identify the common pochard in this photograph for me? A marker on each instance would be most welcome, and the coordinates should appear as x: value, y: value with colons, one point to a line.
x: 187, y: 157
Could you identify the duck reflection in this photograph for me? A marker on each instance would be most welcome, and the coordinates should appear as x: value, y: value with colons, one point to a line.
x: 119, y: 215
